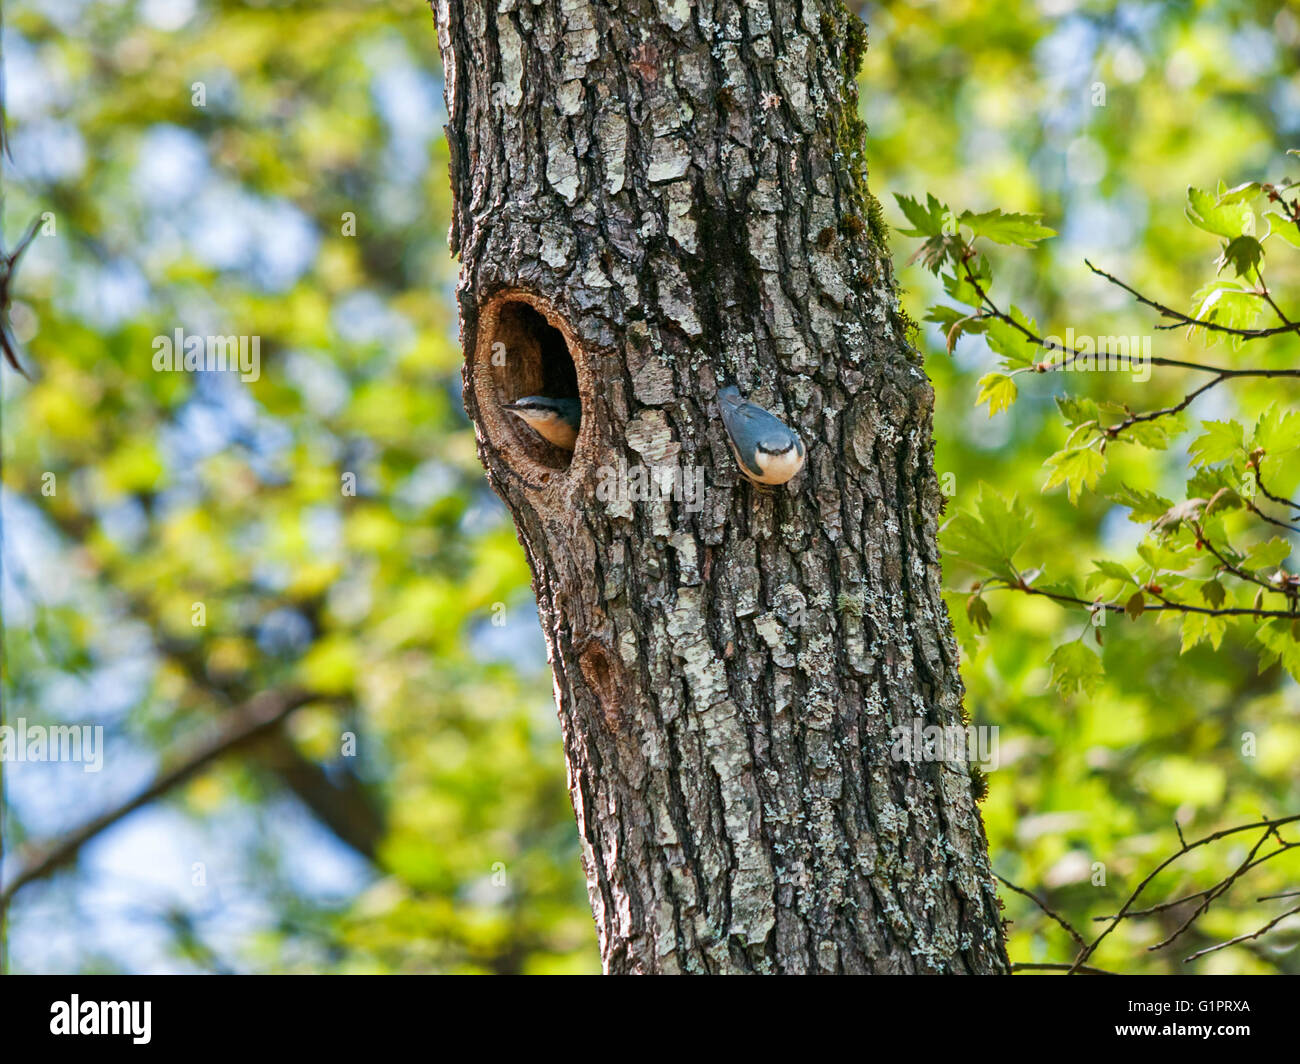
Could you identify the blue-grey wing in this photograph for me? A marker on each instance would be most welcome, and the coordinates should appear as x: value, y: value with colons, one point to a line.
x: 733, y: 417
x: 761, y: 428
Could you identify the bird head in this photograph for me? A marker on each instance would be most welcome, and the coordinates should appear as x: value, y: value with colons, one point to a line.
x: 767, y: 450
x: 555, y: 420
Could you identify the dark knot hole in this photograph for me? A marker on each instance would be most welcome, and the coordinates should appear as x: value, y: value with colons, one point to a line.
x: 530, y: 357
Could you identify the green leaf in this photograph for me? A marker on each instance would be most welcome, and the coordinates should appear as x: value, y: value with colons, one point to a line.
x: 1283, y: 228
x: 998, y: 390
x: 1230, y: 219
x: 956, y: 323
x: 1012, y: 344
x: 1207, y: 481
x: 1077, y: 468
x: 1213, y: 593
x: 1144, y: 506
x: 1016, y: 230
x: 961, y: 289
x: 1222, y: 440
x: 1225, y: 303
x: 1063, y: 588
x: 1108, y: 574
x: 948, y: 316
x: 1199, y: 626
x: 1075, y: 667
x: 926, y: 220
x: 1112, y: 571
x: 1242, y: 193
x: 1150, y: 434
x: 1244, y: 253
x: 1268, y: 555
x: 990, y: 535
x: 1163, y: 558
x: 977, y: 610
x: 1277, y: 430
x: 1078, y: 410
x: 1279, y: 645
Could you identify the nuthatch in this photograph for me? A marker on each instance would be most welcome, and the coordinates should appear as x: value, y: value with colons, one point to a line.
x: 767, y: 450
x: 555, y: 420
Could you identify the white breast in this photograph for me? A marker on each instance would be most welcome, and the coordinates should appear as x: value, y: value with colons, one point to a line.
x: 778, y: 468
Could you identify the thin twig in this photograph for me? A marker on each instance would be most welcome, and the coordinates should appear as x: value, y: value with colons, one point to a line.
x: 1044, y: 906
x: 1072, y: 355
x: 1174, y: 903
x: 1182, y: 320
x: 1216, y: 891
x: 1270, y: 826
x: 1242, y: 938
x: 1284, y: 894
x: 1067, y: 968
x: 1165, y: 606
x: 1274, y: 498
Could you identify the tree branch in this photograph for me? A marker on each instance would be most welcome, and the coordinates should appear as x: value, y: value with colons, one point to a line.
x: 8, y: 267
x: 1072, y: 355
x: 1068, y: 969
x: 1280, y: 500
x: 1182, y: 320
x: 1043, y: 905
x: 258, y: 717
x: 1270, y: 826
x: 1242, y: 938
x: 1165, y: 606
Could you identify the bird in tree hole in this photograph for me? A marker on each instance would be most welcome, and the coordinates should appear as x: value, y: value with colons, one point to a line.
x: 554, y: 420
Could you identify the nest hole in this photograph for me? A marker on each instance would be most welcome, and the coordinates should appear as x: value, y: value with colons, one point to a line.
x: 528, y: 354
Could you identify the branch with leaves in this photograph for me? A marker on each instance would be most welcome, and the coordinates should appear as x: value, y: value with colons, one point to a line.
x: 1220, y: 555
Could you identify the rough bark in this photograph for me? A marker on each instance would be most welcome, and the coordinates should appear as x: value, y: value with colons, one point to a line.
x: 675, y: 192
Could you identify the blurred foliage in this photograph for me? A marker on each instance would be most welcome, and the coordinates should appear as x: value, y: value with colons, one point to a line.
x: 409, y: 599
x: 330, y: 515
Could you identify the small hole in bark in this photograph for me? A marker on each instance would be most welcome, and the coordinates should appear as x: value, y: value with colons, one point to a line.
x: 525, y: 350
x: 603, y: 677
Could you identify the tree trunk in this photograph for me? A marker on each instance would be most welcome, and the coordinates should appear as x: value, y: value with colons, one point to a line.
x: 654, y: 198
